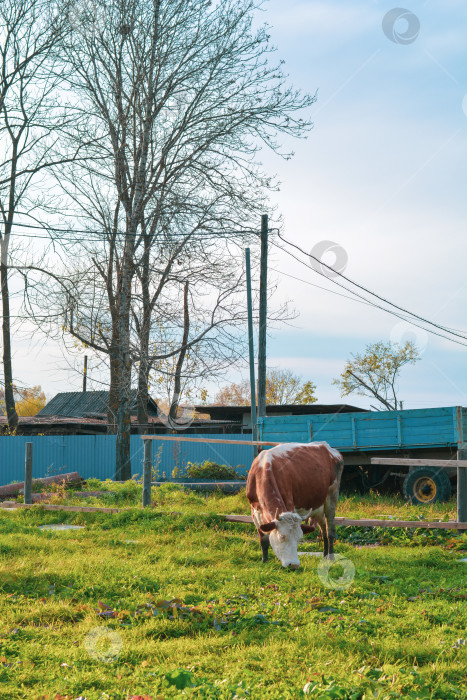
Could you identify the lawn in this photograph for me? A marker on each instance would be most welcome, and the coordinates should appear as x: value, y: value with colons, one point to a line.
x: 145, y: 604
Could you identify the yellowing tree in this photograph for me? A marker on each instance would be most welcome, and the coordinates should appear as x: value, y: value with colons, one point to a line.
x: 28, y: 402
x: 234, y: 395
x: 282, y: 387
x: 375, y: 372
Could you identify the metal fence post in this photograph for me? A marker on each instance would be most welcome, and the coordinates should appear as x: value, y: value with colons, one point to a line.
x: 147, y: 473
x: 28, y: 474
x: 462, y: 489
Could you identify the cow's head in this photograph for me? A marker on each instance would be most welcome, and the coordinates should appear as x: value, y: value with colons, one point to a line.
x: 285, y: 532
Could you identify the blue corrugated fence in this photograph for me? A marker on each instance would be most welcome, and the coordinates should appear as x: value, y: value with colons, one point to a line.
x: 94, y: 455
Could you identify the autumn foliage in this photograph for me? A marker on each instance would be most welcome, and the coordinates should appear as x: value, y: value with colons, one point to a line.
x: 28, y: 401
x: 375, y: 372
x: 282, y: 387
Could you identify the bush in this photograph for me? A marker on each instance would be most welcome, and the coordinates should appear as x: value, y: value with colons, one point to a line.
x: 210, y: 470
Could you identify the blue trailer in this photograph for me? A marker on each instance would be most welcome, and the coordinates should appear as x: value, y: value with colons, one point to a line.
x: 418, y: 434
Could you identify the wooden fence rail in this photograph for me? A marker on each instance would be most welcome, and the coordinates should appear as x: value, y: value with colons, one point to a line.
x: 343, y: 522
x: 179, y: 438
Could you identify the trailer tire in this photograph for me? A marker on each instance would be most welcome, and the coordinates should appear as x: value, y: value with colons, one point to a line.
x: 425, y: 485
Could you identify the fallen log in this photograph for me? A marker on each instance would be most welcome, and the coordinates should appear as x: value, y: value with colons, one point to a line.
x: 72, y: 478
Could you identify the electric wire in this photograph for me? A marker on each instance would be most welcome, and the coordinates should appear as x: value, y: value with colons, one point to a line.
x: 370, y: 303
x: 68, y: 232
x: 363, y: 288
x: 99, y: 236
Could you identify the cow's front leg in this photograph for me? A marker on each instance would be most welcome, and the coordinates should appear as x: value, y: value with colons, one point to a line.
x: 264, y: 539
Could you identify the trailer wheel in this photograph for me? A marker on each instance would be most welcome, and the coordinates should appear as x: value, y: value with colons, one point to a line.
x: 426, y: 485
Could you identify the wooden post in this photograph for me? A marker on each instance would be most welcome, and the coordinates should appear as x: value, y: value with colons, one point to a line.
x: 28, y: 474
x: 263, y: 300
x: 147, y: 473
x: 85, y: 372
x: 461, y: 489
x: 254, y: 428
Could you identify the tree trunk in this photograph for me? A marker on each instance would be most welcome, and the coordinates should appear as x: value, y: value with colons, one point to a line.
x: 115, y: 373
x: 12, y: 416
x: 143, y: 392
x: 123, y: 459
x: 123, y: 381
x: 181, y: 358
x: 144, y: 365
x: 113, y: 397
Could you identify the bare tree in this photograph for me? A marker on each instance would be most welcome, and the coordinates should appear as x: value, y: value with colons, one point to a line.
x: 179, y: 97
x: 30, y: 115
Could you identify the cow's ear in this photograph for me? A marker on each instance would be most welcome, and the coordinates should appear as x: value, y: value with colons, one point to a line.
x: 267, y: 527
x: 307, y: 528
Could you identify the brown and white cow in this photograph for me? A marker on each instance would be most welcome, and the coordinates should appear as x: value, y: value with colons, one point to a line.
x: 291, y: 483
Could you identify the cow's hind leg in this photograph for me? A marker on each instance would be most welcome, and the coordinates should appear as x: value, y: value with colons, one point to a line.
x: 324, y: 533
x: 264, y: 539
x: 330, y: 505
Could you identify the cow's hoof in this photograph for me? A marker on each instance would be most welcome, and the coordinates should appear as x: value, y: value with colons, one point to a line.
x: 294, y: 566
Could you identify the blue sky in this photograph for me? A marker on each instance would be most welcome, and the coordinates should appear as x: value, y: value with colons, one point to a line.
x: 382, y: 174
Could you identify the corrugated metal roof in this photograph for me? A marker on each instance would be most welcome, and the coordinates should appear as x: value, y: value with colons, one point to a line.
x: 78, y: 404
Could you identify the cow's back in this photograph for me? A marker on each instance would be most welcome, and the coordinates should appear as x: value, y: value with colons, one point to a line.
x: 293, y: 477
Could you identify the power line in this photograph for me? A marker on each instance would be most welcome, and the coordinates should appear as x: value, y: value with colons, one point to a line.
x: 411, y: 315
x: 368, y: 291
x: 67, y: 232
x: 370, y: 303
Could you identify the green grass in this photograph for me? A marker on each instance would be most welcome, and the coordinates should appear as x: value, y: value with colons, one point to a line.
x: 235, y: 627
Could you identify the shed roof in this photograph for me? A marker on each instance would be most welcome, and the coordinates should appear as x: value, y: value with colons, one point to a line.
x: 236, y: 412
x: 80, y: 404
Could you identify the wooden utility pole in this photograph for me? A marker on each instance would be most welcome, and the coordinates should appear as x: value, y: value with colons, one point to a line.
x: 263, y: 300
x: 254, y: 428
x: 85, y: 372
